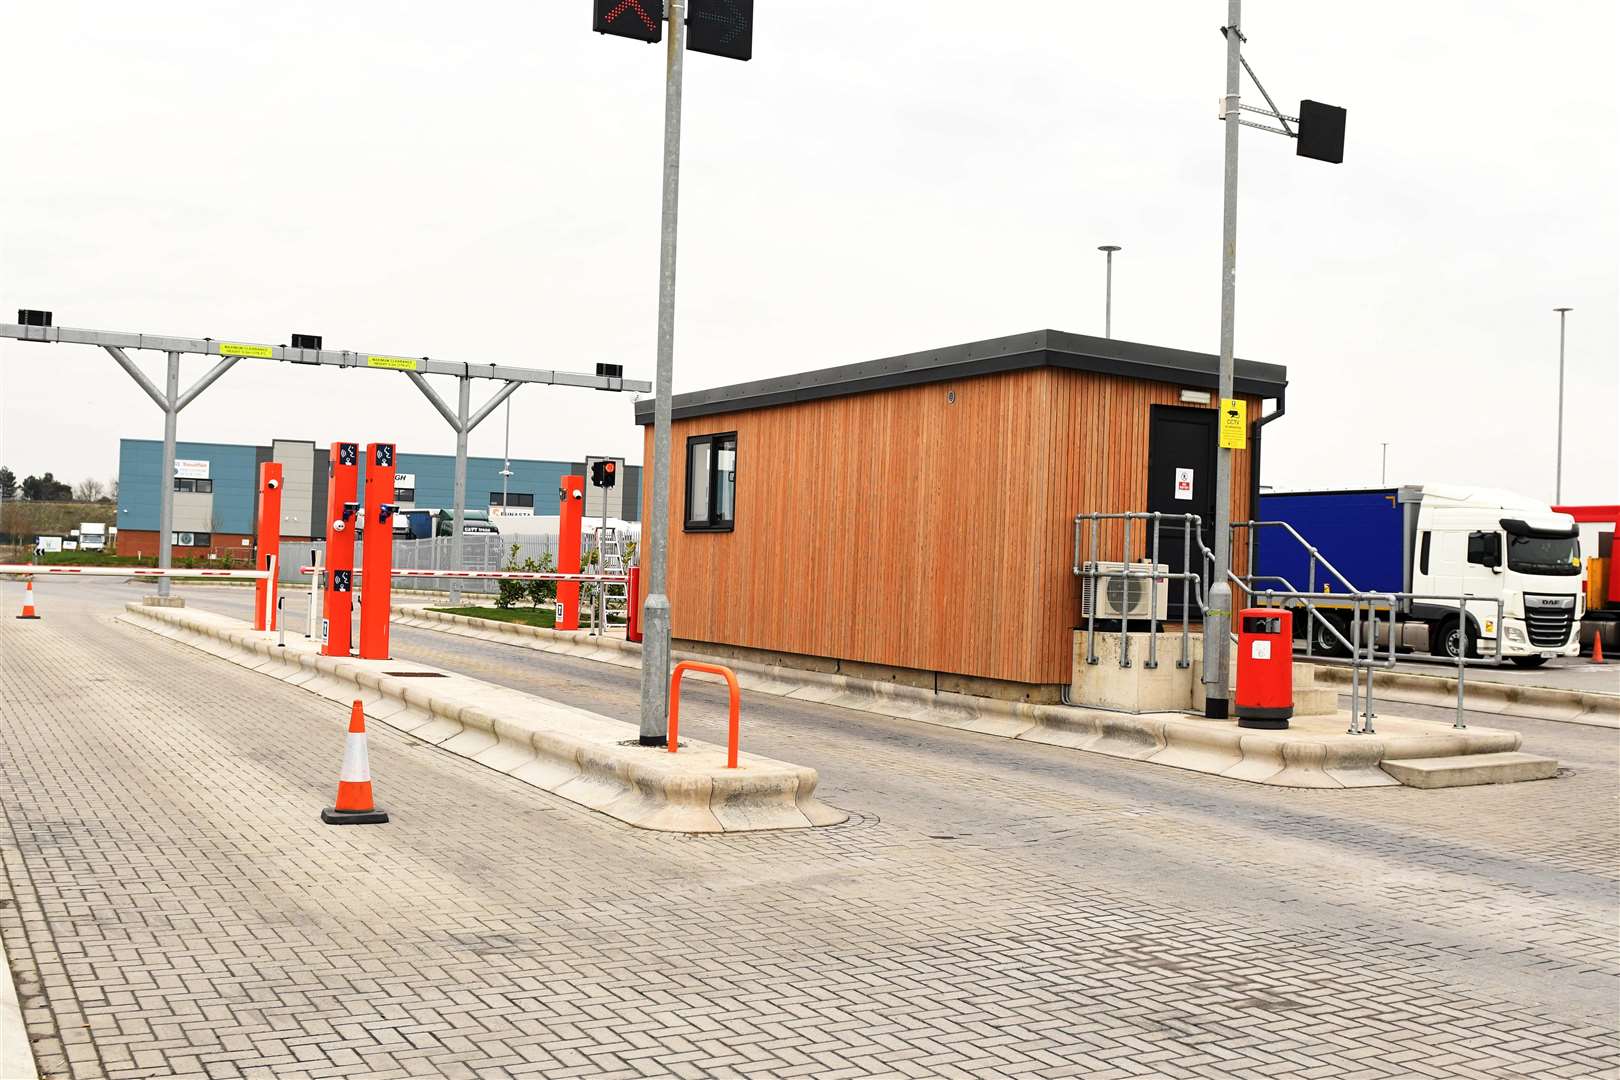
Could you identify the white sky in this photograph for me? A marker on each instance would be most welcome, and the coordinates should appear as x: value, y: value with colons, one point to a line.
x: 481, y: 182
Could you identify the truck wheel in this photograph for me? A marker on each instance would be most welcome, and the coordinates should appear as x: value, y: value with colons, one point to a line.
x: 1323, y: 643
x: 1528, y: 661
x: 1445, y: 642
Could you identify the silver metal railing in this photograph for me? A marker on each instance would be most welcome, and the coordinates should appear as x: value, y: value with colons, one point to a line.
x: 1192, y: 584
x: 1363, y: 609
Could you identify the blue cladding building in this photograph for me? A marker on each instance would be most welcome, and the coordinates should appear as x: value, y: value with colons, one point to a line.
x: 215, y: 491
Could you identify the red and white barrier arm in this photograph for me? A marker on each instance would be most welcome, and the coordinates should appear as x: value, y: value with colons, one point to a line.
x: 31, y: 570
x: 491, y: 575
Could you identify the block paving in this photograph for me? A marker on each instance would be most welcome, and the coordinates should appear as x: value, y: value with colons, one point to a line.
x: 171, y: 905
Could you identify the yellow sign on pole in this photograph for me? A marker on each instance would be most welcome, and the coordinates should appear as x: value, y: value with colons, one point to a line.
x: 231, y: 348
x: 1234, y: 424
x: 397, y: 363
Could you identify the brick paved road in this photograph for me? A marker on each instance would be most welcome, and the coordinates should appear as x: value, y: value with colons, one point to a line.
x: 172, y: 906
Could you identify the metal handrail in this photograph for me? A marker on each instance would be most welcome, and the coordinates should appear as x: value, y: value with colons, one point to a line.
x: 1191, y: 582
x: 1195, y: 584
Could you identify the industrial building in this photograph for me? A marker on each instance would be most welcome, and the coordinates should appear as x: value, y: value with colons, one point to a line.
x: 912, y: 517
x: 215, y: 487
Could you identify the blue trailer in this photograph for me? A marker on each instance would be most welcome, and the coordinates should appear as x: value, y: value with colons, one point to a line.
x: 1363, y: 533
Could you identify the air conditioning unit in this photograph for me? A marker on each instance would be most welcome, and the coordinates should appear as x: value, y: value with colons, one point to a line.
x: 1123, y: 597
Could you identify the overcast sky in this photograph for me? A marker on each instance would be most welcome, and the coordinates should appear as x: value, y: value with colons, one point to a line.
x: 481, y: 182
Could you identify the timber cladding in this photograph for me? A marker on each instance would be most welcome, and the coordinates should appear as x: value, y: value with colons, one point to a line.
x: 902, y: 527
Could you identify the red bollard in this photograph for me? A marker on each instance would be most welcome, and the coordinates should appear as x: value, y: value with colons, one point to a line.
x: 376, y: 591
x: 570, y: 519
x: 632, y: 618
x: 342, y: 504
x: 267, y: 545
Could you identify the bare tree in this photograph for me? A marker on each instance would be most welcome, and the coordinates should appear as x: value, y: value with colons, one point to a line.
x: 89, y: 490
x: 112, y: 489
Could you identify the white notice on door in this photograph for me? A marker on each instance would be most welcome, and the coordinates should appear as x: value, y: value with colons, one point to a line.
x: 1184, y: 482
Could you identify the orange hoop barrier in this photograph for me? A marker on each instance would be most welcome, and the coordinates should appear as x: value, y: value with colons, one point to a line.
x: 675, y: 705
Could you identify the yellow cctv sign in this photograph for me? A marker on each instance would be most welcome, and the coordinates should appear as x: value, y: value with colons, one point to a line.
x: 1234, y: 424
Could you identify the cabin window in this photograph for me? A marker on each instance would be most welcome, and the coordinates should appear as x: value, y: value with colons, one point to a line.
x: 1485, y: 549
x: 711, y: 482
x: 1423, y: 555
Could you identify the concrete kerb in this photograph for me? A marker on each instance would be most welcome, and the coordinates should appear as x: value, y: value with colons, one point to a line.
x: 578, y: 755
x: 1502, y: 699
x: 1324, y: 758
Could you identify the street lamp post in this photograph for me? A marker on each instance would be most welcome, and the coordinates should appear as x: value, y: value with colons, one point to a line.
x: 1108, y: 290
x: 1558, y: 474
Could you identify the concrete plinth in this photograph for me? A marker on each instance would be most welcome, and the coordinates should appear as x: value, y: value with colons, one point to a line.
x: 1137, y: 688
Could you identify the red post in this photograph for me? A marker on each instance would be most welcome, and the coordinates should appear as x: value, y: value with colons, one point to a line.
x: 733, y: 735
x: 267, y: 544
x: 632, y: 618
x: 376, y: 591
x: 342, y: 504
x: 570, y: 521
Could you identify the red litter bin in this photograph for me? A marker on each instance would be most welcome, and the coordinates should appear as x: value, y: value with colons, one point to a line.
x: 1265, y: 668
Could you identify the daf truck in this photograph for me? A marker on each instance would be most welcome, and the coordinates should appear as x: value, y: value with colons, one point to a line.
x: 1434, y: 540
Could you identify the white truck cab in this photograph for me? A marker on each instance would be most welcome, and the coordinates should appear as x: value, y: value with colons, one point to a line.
x: 1492, y: 545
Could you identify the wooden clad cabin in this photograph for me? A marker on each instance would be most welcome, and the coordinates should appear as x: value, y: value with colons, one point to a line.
x: 915, y: 513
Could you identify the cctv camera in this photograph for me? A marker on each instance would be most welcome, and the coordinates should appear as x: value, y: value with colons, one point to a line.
x: 274, y: 484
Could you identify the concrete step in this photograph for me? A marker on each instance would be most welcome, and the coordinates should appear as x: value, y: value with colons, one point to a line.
x: 1466, y: 770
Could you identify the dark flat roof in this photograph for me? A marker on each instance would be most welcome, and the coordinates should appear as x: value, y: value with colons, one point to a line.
x: 1039, y: 348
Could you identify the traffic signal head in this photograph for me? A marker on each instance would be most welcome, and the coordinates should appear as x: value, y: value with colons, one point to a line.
x: 1321, y: 132
x: 604, y: 474
x: 639, y: 19
x: 721, y: 27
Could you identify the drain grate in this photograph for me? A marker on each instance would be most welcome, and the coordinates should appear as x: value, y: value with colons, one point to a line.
x: 416, y: 674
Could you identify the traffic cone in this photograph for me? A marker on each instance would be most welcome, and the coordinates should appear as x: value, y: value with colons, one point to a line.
x: 28, y: 603
x: 1597, y: 646
x: 354, y: 805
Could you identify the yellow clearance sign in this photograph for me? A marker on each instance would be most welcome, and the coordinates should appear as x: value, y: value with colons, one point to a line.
x: 1234, y: 424
x: 396, y: 363
x: 231, y: 348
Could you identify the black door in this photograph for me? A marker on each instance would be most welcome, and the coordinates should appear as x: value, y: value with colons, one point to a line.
x: 1181, y: 480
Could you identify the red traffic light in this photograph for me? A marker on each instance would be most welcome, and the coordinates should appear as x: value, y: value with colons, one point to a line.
x: 642, y: 20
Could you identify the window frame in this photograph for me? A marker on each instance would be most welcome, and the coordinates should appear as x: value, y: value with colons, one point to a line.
x: 513, y: 500
x: 710, y: 521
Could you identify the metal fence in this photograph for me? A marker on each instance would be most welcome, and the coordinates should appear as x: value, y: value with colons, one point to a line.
x: 479, y: 551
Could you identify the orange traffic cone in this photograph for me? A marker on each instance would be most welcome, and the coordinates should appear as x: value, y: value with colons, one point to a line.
x: 28, y: 603
x: 1597, y: 646
x: 354, y: 785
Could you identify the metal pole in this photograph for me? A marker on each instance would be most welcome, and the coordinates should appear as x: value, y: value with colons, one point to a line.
x: 1383, y: 466
x: 459, y: 511
x: 656, y: 614
x: 1558, y: 475
x: 506, y: 456
x: 1462, y: 654
x: 1219, y: 616
x: 171, y: 416
x: 1108, y: 291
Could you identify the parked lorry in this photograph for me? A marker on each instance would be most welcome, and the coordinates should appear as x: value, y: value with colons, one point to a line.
x: 1434, y: 540
x: 92, y: 536
x: 419, y: 524
x: 1598, y: 525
